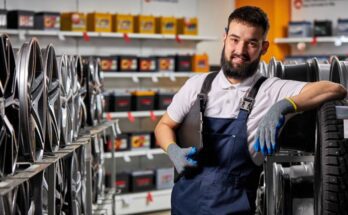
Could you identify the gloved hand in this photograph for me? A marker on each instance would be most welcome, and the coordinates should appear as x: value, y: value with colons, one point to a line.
x: 182, y: 157
x: 270, y: 124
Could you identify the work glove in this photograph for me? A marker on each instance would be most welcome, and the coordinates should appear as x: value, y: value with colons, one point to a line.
x: 182, y: 157
x: 270, y: 124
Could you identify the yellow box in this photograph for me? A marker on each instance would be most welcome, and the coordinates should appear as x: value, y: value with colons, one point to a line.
x: 123, y: 23
x: 145, y: 24
x: 99, y: 22
x: 73, y: 21
x: 166, y: 25
x: 187, y: 26
x: 200, y: 63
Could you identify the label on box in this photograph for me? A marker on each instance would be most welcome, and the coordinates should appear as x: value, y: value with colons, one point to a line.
x: 122, y: 103
x: 140, y: 141
x: 108, y: 64
x: 120, y: 144
x: 77, y: 21
x: 146, y: 65
x: 128, y: 64
x: 147, y: 25
x: 102, y: 23
x: 26, y: 21
x: 166, y: 64
x: 169, y: 26
x: 124, y: 24
x: 3, y: 20
x: 52, y: 22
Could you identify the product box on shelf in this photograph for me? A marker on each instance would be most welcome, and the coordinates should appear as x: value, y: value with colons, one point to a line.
x: 187, y: 26
x: 322, y: 28
x: 183, y: 63
x: 147, y: 64
x: 123, y: 23
x: 108, y: 63
x: 143, y: 100
x: 166, y: 25
x: 73, y: 21
x: 140, y: 140
x: 163, y: 99
x: 342, y: 27
x: 120, y: 101
x: 3, y: 18
x: 121, y: 143
x: 123, y: 182
x: 47, y: 21
x: 200, y: 63
x: 166, y: 63
x: 164, y: 178
x: 144, y: 24
x: 142, y: 181
x: 127, y: 63
x: 299, y: 29
x: 20, y: 19
x: 99, y: 22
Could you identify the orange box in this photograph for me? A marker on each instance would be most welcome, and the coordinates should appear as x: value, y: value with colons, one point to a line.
x: 166, y: 25
x: 73, y: 21
x: 145, y: 24
x: 99, y: 22
x: 200, y: 63
x: 187, y: 26
x: 123, y: 23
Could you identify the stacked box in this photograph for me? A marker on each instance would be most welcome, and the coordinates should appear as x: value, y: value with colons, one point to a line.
x: 163, y: 99
x: 127, y: 63
x: 121, y: 143
x: 183, y: 63
x: 99, y: 22
x: 322, y: 28
x: 123, y: 182
x: 166, y: 25
x: 200, y: 63
x: 123, y: 23
x: 166, y: 63
x: 109, y: 64
x: 47, y: 21
x: 145, y: 24
x: 164, y: 178
x: 20, y: 19
x: 3, y: 18
x: 143, y: 100
x: 342, y: 27
x: 73, y: 21
x: 187, y: 26
x: 142, y: 181
x: 120, y: 101
x: 147, y: 64
x: 299, y: 29
x: 140, y: 140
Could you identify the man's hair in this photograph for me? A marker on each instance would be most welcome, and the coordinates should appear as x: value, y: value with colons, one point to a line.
x: 251, y: 15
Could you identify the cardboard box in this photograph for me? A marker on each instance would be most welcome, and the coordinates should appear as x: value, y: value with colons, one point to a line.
x: 99, y: 22
x: 166, y: 63
x: 187, y: 26
x: 143, y: 100
x: 142, y: 181
x: 73, y: 21
x: 200, y: 63
x: 147, y: 64
x: 183, y: 63
x: 145, y: 24
x: 20, y: 19
x: 164, y: 178
x: 140, y: 140
x: 123, y: 23
x: 109, y: 63
x: 322, y: 28
x: 166, y: 25
x: 127, y: 63
x: 299, y: 29
x: 342, y: 27
x: 47, y: 21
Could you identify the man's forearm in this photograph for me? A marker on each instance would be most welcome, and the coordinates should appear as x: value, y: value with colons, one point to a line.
x: 164, y: 132
x: 316, y: 93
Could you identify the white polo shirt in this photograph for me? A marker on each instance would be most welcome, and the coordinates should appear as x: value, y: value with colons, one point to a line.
x: 224, y: 100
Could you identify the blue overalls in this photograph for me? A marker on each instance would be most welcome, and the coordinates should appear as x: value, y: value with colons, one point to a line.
x: 227, y: 181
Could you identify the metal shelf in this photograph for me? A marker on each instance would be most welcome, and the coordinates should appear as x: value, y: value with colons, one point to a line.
x: 288, y: 40
x: 123, y: 154
x: 134, y: 114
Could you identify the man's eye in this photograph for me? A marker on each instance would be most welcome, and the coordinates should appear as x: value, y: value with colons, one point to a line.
x: 253, y: 44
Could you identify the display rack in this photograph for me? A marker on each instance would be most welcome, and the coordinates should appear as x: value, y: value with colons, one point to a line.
x: 289, y: 40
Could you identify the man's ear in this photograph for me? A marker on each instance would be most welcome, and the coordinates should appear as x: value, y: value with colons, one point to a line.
x: 265, y: 45
x: 224, y: 38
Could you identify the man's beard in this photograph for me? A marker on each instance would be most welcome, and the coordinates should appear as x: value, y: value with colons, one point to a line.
x: 244, y: 71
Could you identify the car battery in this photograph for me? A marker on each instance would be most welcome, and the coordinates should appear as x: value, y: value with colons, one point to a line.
x: 3, y: 19
x: 99, y: 22
x: 142, y: 181
x: 342, y: 27
x: 143, y: 100
x: 200, y: 63
x: 127, y: 63
x: 107, y: 180
x: 322, y: 28
x: 106, y: 101
x: 147, y: 64
x: 166, y: 25
x: 183, y: 63
x: 108, y: 63
x: 164, y: 178
x: 145, y: 24
x: 166, y: 63
x: 122, y: 182
x: 121, y: 143
x: 163, y: 99
x: 47, y: 21
x: 140, y: 140
x: 120, y: 101
x: 123, y: 23
x: 299, y: 29
x: 20, y: 19
x: 187, y: 26
x: 73, y: 21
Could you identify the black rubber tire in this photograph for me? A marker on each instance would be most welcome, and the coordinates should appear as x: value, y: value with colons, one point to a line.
x: 331, y: 163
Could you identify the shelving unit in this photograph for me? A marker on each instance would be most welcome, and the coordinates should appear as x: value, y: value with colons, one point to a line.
x: 289, y: 40
x: 126, y: 154
x: 134, y: 114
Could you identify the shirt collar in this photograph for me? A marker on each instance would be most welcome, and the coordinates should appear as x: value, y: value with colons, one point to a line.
x: 243, y: 86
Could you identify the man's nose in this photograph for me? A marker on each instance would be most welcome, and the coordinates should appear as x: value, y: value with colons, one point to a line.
x: 240, y: 48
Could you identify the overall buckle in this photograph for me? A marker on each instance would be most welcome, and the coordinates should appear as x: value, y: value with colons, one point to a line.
x: 247, y: 104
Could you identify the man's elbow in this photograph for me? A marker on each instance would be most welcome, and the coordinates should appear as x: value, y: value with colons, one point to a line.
x: 339, y: 91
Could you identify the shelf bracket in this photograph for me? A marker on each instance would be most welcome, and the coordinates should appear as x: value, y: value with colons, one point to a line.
x: 172, y: 77
x: 135, y: 79
x: 149, y: 156
x: 21, y: 35
x: 61, y: 36
x: 126, y: 158
x: 154, y: 78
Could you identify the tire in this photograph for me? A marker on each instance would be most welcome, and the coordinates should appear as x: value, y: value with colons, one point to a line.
x: 331, y: 163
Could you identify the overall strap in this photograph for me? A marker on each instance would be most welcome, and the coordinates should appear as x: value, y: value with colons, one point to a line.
x: 203, y: 95
x: 248, y: 101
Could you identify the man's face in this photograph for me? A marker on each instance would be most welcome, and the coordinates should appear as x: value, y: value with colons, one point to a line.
x: 243, y: 46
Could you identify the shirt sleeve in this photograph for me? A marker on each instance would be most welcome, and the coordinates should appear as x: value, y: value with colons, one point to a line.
x: 280, y: 89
